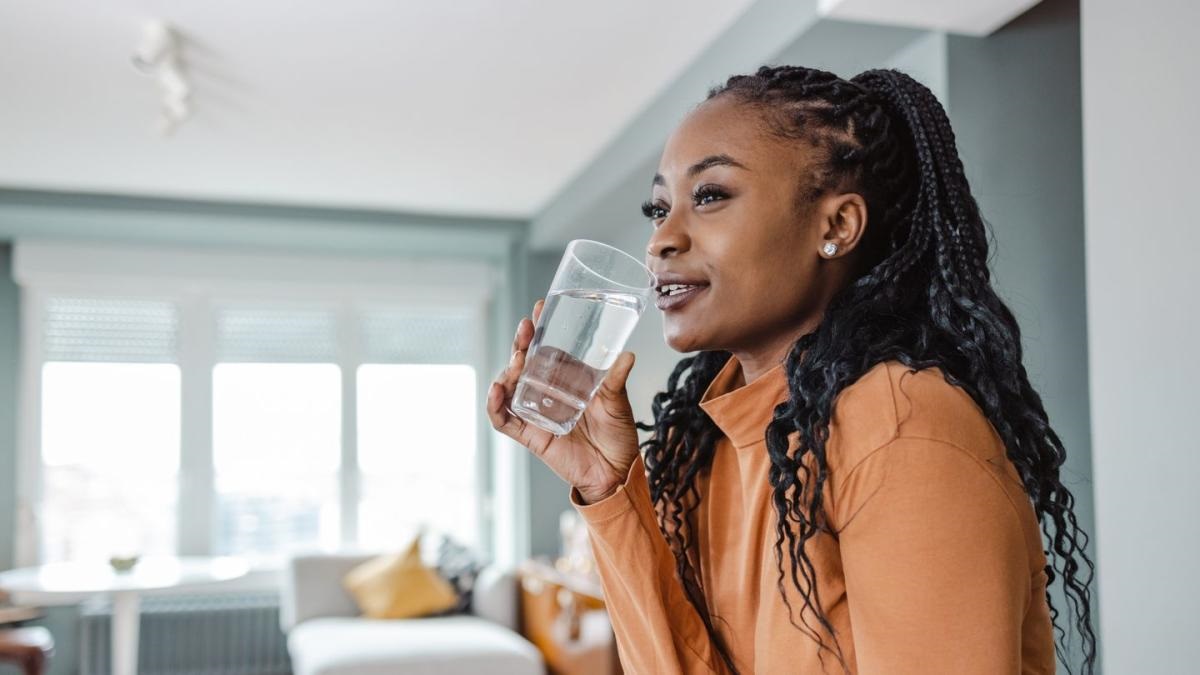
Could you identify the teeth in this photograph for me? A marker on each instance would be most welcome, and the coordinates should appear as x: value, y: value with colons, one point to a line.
x: 675, y: 289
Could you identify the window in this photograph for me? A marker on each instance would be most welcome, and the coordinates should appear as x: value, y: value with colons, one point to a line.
x: 110, y: 425
x: 277, y: 409
x: 417, y: 406
x: 256, y: 419
x: 276, y: 455
x: 415, y: 429
x: 110, y: 454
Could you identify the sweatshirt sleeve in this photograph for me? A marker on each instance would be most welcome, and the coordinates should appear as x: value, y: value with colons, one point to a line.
x: 657, y: 629
x: 935, y: 560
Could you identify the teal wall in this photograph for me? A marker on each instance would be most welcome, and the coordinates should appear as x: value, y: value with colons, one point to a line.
x: 61, y: 621
x: 1014, y: 101
x: 9, y: 358
x: 246, y: 226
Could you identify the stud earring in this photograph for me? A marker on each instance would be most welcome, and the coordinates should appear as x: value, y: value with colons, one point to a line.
x: 830, y: 248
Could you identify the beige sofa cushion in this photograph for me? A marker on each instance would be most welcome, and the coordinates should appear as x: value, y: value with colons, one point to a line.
x: 399, y: 586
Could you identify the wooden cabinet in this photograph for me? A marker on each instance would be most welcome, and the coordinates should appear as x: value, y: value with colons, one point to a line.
x: 564, y: 617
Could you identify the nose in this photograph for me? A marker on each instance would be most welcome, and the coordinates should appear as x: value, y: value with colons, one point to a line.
x: 668, y: 239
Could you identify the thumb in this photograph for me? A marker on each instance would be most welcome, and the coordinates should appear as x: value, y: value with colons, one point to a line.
x: 614, y: 382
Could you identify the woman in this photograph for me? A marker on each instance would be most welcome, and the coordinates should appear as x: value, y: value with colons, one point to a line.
x: 849, y: 473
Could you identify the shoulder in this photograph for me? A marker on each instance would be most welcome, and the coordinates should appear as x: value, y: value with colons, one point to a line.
x: 892, y: 401
x: 899, y: 436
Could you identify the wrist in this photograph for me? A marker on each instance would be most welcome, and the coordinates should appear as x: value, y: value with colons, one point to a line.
x: 593, y: 495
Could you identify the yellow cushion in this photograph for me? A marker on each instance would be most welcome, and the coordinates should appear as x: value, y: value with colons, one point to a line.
x: 399, y: 586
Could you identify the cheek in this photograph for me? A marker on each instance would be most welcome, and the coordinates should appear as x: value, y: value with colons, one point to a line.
x: 760, y: 266
x: 758, y: 291
x: 758, y: 285
x: 773, y: 284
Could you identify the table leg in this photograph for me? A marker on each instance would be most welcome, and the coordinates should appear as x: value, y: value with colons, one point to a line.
x: 125, y: 616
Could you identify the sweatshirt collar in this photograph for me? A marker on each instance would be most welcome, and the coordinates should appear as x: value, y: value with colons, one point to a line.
x: 743, y: 413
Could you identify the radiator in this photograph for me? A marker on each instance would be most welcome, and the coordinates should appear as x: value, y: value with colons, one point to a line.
x: 230, y: 634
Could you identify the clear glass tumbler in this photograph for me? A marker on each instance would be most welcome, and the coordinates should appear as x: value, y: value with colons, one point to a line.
x: 597, y: 296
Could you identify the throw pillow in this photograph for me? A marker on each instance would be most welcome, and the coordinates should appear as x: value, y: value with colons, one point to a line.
x: 459, y: 565
x: 399, y: 586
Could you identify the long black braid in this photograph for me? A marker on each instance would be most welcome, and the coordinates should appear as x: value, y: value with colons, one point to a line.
x: 921, y: 295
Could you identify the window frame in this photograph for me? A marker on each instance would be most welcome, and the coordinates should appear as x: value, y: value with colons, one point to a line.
x: 198, y: 281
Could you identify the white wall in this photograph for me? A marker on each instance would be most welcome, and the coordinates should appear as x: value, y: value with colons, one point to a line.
x: 1141, y: 144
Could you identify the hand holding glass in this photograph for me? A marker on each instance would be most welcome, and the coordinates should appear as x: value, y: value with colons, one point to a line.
x: 594, y: 302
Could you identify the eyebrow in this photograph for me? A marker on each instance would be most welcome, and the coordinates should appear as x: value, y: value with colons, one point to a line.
x: 706, y: 163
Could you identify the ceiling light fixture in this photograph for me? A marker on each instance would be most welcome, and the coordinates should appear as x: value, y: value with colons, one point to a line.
x: 159, y: 55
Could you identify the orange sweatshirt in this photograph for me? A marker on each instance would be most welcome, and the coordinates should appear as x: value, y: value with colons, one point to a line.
x: 938, y: 566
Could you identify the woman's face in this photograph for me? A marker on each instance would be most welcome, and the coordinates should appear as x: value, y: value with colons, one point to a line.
x: 728, y: 220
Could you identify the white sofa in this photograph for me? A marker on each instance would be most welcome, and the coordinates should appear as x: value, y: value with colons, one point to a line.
x: 327, y: 636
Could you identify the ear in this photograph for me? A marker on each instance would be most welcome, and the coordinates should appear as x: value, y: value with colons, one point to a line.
x: 844, y: 221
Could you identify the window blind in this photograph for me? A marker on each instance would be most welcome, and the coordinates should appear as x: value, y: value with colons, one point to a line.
x: 110, y: 330
x: 401, y: 335
x: 258, y: 334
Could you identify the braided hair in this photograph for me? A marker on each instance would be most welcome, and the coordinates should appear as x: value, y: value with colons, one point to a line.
x: 921, y: 294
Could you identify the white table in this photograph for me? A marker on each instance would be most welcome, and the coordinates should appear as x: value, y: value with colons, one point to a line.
x: 70, y: 582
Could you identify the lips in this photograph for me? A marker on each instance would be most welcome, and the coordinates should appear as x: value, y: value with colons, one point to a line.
x: 675, y: 291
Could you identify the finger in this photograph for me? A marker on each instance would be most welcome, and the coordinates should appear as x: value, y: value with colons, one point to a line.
x: 508, y: 423
x: 525, y: 331
x: 512, y: 372
x: 499, y: 399
x: 614, y: 381
x: 497, y: 412
x: 507, y: 378
x: 490, y: 401
x: 516, y: 343
x: 537, y: 308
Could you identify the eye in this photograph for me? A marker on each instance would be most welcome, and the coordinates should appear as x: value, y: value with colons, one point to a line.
x: 653, y: 211
x: 707, y: 194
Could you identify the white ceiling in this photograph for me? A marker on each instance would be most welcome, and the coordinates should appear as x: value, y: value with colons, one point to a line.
x: 967, y: 17
x: 473, y: 107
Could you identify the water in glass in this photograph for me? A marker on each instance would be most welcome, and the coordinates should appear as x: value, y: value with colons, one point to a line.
x: 578, y: 338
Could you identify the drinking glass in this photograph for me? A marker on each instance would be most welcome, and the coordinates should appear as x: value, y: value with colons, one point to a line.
x: 597, y: 296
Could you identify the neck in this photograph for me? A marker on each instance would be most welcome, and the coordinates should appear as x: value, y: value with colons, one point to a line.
x: 755, y: 362
x: 759, y: 359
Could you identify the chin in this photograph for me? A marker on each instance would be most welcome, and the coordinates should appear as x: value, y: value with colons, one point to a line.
x: 684, y: 343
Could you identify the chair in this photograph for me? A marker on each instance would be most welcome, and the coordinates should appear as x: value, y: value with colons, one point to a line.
x: 28, y: 647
